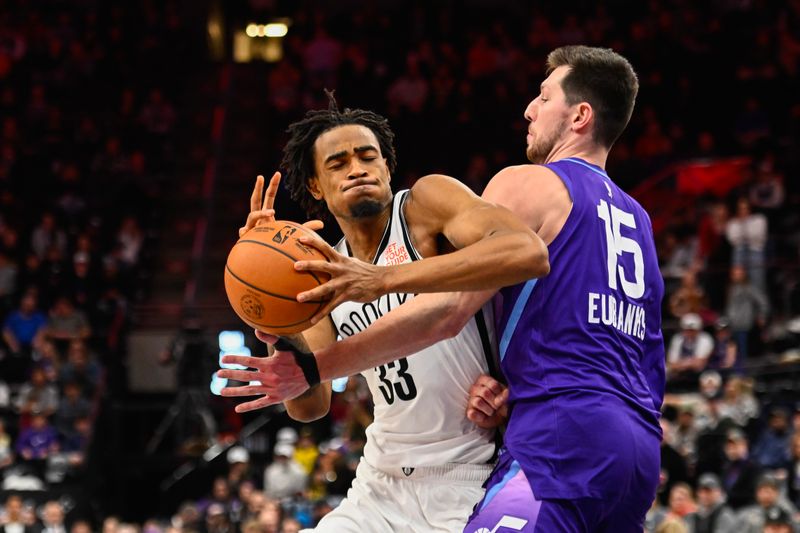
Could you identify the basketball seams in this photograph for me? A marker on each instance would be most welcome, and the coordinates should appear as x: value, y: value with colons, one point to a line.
x: 280, y: 296
x: 294, y: 259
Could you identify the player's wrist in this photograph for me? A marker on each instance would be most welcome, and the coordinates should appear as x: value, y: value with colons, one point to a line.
x: 305, y: 360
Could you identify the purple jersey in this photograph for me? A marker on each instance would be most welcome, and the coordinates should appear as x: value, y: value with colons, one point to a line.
x: 582, y: 347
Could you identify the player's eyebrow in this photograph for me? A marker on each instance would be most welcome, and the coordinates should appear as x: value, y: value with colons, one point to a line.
x: 358, y: 149
x: 365, y: 148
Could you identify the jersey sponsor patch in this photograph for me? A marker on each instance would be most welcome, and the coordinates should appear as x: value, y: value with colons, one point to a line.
x: 396, y: 254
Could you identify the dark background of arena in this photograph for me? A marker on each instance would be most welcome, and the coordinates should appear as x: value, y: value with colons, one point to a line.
x: 131, y: 134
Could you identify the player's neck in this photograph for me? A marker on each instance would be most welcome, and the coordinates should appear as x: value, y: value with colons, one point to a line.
x: 581, y: 149
x: 363, y: 235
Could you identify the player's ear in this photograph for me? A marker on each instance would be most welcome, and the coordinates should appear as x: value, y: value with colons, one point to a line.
x: 582, y: 116
x: 313, y: 187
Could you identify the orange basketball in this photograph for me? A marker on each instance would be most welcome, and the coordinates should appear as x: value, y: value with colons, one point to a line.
x: 261, y: 281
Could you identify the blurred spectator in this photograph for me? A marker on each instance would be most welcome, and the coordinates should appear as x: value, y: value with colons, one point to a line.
x: 714, y: 253
x: 47, y: 236
x: 220, y: 495
x: 777, y: 520
x: 82, y: 526
x: 681, y: 502
x: 22, y: 329
x: 38, y: 441
x: 747, y: 306
x: 306, y: 451
x: 409, y: 93
x: 322, y: 58
x: 66, y: 323
x: 37, y: 396
x: 747, y: 233
x: 284, y: 478
x: 725, y: 353
x: 712, y: 515
x: 689, y: 349
x: 771, y: 450
x: 686, y: 433
x: 270, y: 516
x: 740, y: 473
x: 689, y: 297
x: 238, y: 467
x: 217, y: 520
x: 752, y: 519
x: 71, y: 407
x: 290, y: 525
x: 767, y: 193
x: 13, y: 519
x: 81, y: 367
x: 679, y: 252
x: 738, y: 403
x: 131, y: 239
x: 53, y: 518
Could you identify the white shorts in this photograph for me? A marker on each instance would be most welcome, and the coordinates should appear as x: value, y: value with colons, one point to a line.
x: 424, y: 500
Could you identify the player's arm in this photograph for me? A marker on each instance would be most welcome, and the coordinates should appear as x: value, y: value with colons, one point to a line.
x: 494, y: 248
x: 316, y: 401
x: 311, y: 405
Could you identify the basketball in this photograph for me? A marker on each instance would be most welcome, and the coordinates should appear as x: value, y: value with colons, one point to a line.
x: 262, y: 284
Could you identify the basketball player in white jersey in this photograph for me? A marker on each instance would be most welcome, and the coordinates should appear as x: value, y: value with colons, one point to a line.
x: 424, y: 462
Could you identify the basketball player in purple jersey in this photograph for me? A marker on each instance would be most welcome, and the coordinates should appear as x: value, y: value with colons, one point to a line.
x: 581, y: 348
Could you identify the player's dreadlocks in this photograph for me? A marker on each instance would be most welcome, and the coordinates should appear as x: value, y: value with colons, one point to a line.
x: 298, y: 154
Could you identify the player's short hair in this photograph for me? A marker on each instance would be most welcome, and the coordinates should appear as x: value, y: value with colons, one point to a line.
x: 298, y: 154
x: 605, y: 80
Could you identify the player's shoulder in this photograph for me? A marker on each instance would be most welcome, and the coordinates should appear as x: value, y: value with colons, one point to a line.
x: 522, y: 183
x: 432, y: 185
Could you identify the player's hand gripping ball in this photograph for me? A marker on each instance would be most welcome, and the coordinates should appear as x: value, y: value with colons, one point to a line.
x: 262, y: 284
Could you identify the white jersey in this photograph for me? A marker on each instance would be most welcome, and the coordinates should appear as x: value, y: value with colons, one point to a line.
x: 421, y: 400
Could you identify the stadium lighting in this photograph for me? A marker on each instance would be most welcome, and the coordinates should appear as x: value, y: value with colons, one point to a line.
x: 276, y: 29
x: 252, y: 30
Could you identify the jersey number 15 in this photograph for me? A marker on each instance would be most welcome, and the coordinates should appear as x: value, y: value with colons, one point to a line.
x: 614, y: 218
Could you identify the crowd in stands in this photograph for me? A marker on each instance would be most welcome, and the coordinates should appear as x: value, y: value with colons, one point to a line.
x: 716, y: 80
x: 85, y: 137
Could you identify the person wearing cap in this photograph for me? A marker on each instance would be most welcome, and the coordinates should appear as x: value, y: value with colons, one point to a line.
x: 752, y: 519
x: 713, y: 515
x: 284, y: 478
x: 689, y: 349
x: 238, y: 467
x: 724, y: 356
x: 777, y: 520
x: 739, y: 473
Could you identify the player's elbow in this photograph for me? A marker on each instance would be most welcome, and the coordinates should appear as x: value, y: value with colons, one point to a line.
x: 304, y: 414
x: 308, y: 409
x: 452, y: 321
x: 540, y: 262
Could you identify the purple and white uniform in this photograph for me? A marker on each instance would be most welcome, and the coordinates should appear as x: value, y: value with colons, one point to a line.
x: 584, y: 358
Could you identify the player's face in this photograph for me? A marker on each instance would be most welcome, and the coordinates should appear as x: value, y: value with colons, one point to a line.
x: 548, y: 117
x: 351, y: 173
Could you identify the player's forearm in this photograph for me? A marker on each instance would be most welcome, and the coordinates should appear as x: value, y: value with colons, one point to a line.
x: 500, y: 260
x: 415, y: 325
x: 315, y: 402
x: 311, y: 405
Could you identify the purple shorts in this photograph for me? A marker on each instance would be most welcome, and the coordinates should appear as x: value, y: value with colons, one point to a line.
x: 510, y: 505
